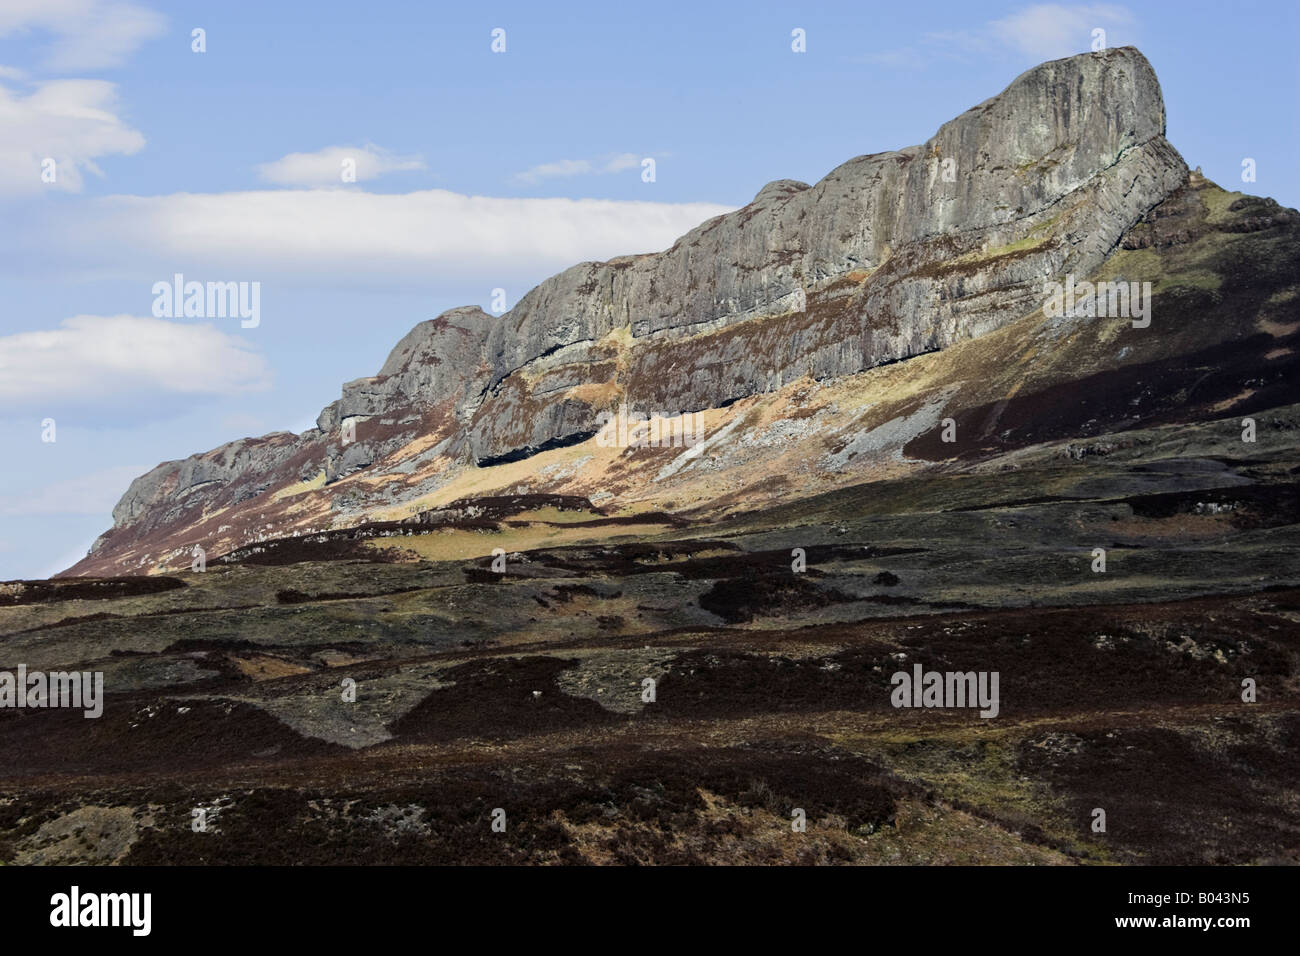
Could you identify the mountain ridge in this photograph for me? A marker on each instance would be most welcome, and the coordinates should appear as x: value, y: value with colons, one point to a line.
x: 881, y: 273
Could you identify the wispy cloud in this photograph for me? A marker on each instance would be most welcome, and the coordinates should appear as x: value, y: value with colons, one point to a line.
x: 96, y: 362
x: 91, y: 494
x: 325, y: 166
x: 616, y: 163
x: 336, y: 236
x: 72, y: 122
x: 1048, y: 31
x: 1044, y: 31
x: 901, y: 58
x: 83, y: 34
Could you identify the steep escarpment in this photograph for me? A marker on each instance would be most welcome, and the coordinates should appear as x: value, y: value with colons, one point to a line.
x: 891, y: 256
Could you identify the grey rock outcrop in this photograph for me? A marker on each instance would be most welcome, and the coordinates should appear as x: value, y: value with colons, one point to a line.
x: 1038, y: 181
x: 165, y: 491
x: 890, y: 255
x: 441, y: 359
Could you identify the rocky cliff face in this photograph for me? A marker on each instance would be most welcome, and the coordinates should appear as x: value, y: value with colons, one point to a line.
x: 890, y: 256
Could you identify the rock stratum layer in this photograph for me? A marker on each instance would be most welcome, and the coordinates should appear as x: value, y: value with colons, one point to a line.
x: 784, y: 323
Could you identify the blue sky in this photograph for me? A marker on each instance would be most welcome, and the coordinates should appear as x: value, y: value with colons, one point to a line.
x: 476, y: 170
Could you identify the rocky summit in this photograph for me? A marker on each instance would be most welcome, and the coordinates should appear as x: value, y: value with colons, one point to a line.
x: 891, y: 256
x: 935, y: 507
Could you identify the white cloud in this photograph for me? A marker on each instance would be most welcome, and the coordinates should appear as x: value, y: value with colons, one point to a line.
x: 580, y: 167
x: 72, y: 122
x: 96, y: 361
x: 338, y: 236
x: 1045, y: 31
x: 1049, y: 30
x: 325, y: 166
x: 84, y: 34
x: 92, y: 494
